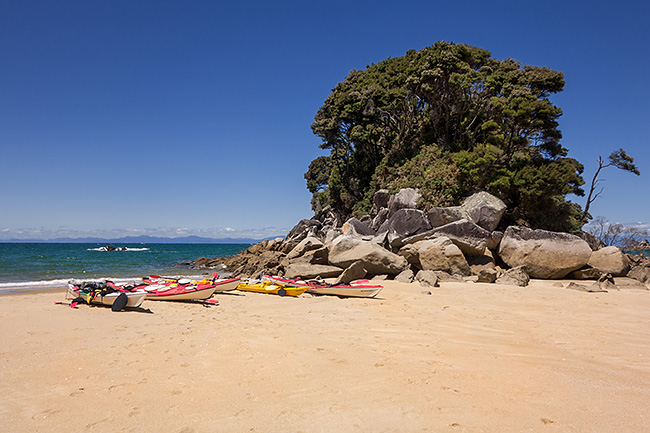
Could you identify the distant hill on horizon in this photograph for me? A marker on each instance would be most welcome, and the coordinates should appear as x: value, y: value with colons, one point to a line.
x: 142, y: 240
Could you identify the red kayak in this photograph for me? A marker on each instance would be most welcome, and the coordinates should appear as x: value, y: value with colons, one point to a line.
x: 166, y: 289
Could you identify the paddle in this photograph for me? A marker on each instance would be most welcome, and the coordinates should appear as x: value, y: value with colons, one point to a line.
x: 120, y: 302
x: 158, y: 277
x: 71, y: 304
x: 208, y: 303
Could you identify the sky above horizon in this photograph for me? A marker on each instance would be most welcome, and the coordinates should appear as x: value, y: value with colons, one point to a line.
x: 193, y: 118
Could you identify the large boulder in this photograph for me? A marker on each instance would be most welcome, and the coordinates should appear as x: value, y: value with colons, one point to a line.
x: 379, y: 219
x: 355, y: 271
x: 592, y: 240
x: 439, y: 216
x: 346, y: 250
x: 247, y: 264
x: 307, y: 270
x: 484, y: 209
x: 406, y: 198
x: 406, y: 276
x: 379, y: 201
x: 514, y: 277
x: 469, y: 237
x: 330, y: 235
x: 307, y: 244
x: 543, y: 254
x: 482, y: 262
x: 438, y: 254
x: 315, y: 257
x: 354, y: 227
x: 303, y: 229
x: 276, y: 244
x: 610, y: 260
x: 640, y: 273
x: 427, y: 278
x: 406, y: 222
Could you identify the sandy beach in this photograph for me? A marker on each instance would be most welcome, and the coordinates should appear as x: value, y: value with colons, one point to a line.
x: 464, y: 358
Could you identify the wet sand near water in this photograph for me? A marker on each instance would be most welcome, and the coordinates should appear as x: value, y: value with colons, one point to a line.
x: 465, y: 358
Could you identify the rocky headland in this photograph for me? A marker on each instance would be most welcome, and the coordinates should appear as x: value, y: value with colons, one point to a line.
x: 461, y: 243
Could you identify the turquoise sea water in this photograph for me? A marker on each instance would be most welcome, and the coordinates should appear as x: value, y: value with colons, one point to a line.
x: 46, y: 265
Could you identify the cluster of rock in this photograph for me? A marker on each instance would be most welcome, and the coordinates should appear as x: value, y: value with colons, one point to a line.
x: 398, y: 241
x: 112, y: 248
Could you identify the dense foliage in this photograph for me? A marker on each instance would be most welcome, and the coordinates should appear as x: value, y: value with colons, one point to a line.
x: 450, y: 120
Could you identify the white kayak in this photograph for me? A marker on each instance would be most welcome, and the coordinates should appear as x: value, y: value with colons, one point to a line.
x: 134, y: 299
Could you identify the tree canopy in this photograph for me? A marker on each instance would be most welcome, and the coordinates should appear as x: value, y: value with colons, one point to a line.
x: 449, y: 120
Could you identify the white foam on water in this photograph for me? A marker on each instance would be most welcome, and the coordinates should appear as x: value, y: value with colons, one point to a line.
x: 14, y: 287
x: 118, y: 249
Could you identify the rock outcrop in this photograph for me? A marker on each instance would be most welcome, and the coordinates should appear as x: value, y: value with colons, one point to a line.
x: 460, y: 243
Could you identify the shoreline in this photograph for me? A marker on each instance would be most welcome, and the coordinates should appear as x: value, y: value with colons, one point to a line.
x: 33, y: 291
x: 467, y: 357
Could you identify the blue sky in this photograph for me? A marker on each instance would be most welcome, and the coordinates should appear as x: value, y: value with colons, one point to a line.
x: 193, y: 117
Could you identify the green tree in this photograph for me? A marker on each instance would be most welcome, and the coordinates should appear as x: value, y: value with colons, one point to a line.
x: 450, y: 120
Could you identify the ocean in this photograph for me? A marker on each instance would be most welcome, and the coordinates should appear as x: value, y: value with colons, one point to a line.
x: 48, y: 265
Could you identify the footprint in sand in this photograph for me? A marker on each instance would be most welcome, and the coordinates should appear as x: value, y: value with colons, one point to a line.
x: 114, y: 387
x: 45, y: 414
x: 89, y: 426
x: 76, y: 393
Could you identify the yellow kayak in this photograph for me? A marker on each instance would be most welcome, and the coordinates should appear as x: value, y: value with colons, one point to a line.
x: 274, y: 288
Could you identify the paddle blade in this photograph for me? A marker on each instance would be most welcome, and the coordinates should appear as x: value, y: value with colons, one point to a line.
x: 120, y: 302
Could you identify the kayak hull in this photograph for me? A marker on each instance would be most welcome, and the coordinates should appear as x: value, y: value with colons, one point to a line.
x: 226, y: 285
x: 134, y: 299
x: 182, y: 295
x: 268, y: 287
x: 294, y: 282
x: 172, y: 291
x: 352, y: 290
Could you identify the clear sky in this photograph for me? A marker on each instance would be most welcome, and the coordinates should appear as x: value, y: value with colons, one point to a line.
x: 193, y: 117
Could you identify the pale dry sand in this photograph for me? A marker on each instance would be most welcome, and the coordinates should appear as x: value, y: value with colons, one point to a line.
x: 466, y: 358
